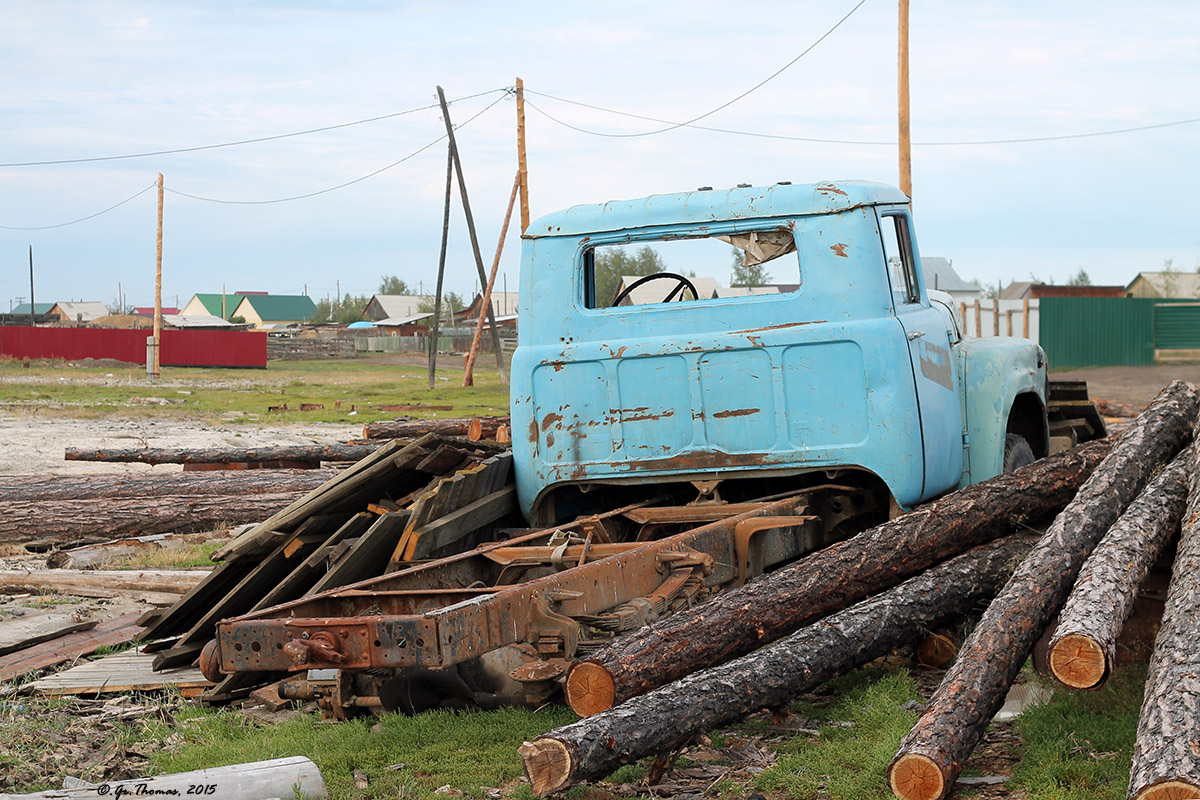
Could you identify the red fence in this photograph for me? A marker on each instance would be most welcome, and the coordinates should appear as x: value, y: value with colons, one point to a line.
x: 180, y: 348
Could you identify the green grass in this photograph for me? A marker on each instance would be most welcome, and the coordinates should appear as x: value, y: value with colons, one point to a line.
x: 1079, y: 745
x: 467, y: 751
x: 360, y: 385
x: 847, y: 761
x: 192, y: 555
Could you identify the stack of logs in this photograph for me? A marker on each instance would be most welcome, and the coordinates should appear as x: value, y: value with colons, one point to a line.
x: 759, y: 646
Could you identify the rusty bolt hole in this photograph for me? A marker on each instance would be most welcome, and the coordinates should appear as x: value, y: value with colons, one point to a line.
x: 378, y: 643
x: 255, y: 646
x: 238, y: 647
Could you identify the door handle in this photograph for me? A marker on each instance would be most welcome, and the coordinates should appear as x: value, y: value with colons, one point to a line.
x: 915, y: 335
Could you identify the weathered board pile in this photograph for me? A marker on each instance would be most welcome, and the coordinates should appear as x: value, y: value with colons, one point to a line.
x: 60, y: 511
x: 345, y: 531
x: 741, y: 652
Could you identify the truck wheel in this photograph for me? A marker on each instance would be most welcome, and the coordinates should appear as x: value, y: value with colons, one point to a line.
x: 1017, y: 452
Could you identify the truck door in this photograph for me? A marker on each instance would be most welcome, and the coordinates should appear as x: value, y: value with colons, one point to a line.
x: 930, y: 357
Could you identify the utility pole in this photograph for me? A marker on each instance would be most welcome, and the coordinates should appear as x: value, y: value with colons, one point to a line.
x: 521, y: 166
x: 462, y: 191
x: 158, y: 281
x: 32, y: 305
x: 437, y: 294
x: 905, y: 139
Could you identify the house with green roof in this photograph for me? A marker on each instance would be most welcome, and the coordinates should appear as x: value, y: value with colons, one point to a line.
x: 38, y: 308
x: 215, y: 305
x: 275, y: 310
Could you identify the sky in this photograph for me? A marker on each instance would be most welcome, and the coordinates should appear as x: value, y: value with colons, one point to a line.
x: 345, y: 183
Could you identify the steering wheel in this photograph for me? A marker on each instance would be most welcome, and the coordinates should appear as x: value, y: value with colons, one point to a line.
x: 682, y: 283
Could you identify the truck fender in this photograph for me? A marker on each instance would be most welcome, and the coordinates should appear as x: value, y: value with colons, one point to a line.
x: 1004, y: 391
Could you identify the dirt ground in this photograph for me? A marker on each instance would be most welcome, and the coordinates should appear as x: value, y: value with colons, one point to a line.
x: 1134, y: 385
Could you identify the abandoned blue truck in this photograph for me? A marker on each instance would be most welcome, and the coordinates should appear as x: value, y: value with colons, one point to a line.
x: 672, y: 439
x: 851, y: 371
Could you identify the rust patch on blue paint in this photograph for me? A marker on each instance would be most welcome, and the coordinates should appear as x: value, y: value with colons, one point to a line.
x: 736, y: 412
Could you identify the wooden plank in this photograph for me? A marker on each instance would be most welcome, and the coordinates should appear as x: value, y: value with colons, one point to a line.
x: 21, y: 632
x: 179, y: 618
x: 238, y: 600
x: 259, y: 537
x: 70, y: 647
x: 120, y: 672
x: 460, y: 524
x: 367, y: 557
x: 311, y: 569
x: 101, y: 583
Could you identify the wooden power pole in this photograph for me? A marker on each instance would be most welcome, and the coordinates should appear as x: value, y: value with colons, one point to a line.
x: 521, y: 166
x: 158, y: 281
x: 462, y: 192
x: 905, y: 140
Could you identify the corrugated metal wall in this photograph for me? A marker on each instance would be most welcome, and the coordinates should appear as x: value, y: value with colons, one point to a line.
x: 180, y: 348
x: 1177, y: 326
x: 1097, y: 331
x: 1115, y: 331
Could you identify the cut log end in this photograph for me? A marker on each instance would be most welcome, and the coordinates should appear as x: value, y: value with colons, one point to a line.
x: 936, y: 650
x: 916, y: 777
x: 1078, y: 661
x: 589, y: 689
x: 547, y: 765
x: 1170, y: 790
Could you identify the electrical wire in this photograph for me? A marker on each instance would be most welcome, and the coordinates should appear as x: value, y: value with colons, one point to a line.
x: 413, y: 154
x: 760, y: 135
x: 81, y: 219
x: 246, y: 141
x: 674, y: 125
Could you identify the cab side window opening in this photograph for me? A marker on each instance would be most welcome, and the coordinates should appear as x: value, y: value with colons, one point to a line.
x: 897, y: 250
x: 690, y: 270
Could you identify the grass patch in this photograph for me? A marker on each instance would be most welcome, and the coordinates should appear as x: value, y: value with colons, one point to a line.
x: 860, y: 731
x: 405, y: 757
x: 186, y: 557
x: 360, y: 385
x: 1079, y: 745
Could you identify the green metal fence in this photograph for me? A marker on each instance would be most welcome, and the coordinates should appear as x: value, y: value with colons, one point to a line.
x: 1177, y: 326
x: 1115, y: 331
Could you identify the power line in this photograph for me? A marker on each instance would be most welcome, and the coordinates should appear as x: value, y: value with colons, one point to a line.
x: 244, y: 141
x: 413, y: 154
x: 760, y: 135
x: 674, y: 125
x: 81, y: 219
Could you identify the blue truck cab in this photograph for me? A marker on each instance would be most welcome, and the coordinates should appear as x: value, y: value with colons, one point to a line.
x: 846, y: 370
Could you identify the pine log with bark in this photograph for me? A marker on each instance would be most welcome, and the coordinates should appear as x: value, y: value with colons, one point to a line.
x: 772, y: 676
x: 110, y: 485
x: 416, y: 428
x: 224, y: 455
x: 932, y: 754
x: 1083, y: 649
x: 774, y: 605
x: 1166, y: 757
x: 43, y: 525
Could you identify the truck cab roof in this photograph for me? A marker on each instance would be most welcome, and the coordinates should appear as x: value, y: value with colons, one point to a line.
x: 722, y: 205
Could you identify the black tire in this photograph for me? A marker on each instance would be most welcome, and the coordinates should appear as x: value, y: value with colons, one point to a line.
x: 1017, y: 452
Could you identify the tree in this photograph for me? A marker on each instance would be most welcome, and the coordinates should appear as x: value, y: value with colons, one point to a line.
x: 350, y: 309
x: 614, y: 262
x: 753, y: 275
x: 390, y: 284
x: 1080, y: 278
x: 450, y: 300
